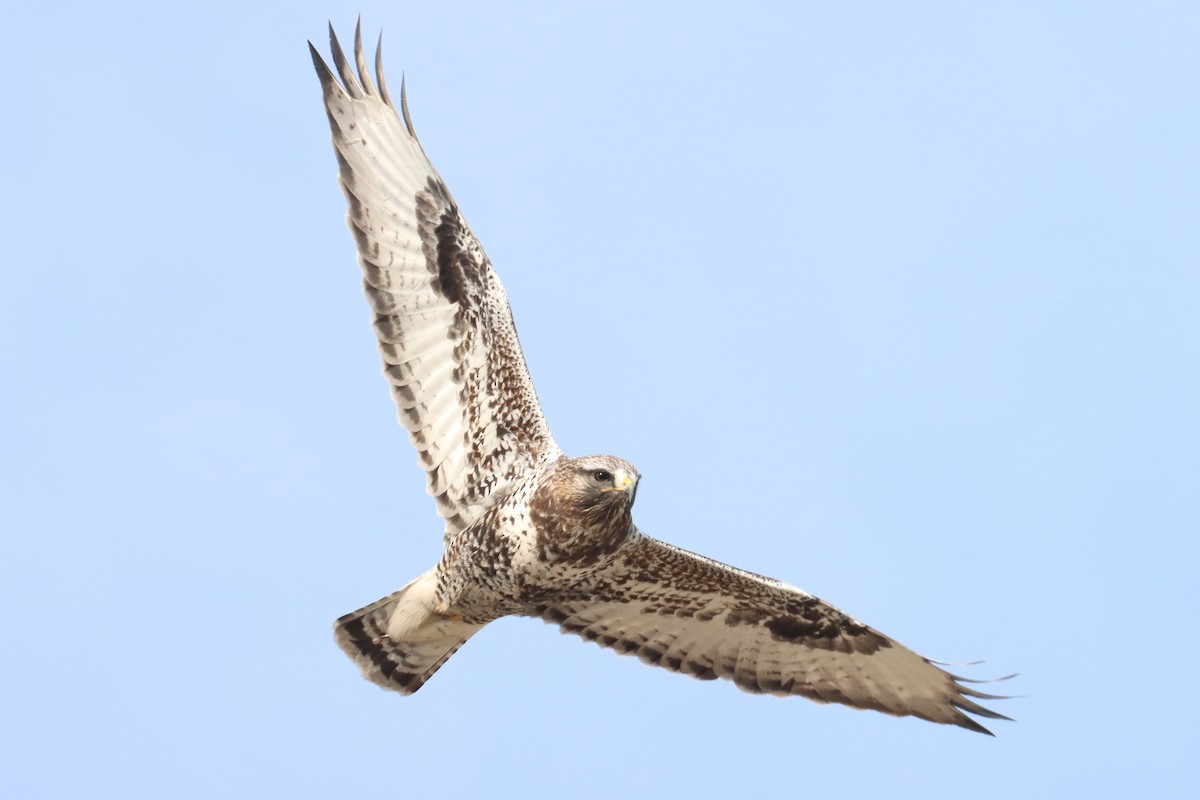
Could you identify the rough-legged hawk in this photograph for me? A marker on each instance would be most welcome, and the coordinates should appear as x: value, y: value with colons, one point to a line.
x: 528, y: 530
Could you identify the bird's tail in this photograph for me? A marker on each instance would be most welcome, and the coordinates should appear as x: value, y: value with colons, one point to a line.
x: 400, y: 641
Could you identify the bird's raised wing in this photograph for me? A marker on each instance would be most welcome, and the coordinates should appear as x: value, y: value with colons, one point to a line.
x: 690, y: 614
x: 449, y: 346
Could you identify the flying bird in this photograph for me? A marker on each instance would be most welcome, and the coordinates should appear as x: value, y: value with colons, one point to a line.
x: 533, y: 532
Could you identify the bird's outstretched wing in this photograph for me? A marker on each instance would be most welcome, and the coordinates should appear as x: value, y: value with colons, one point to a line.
x: 449, y: 346
x: 690, y: 614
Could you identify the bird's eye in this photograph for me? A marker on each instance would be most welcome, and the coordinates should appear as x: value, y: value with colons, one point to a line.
x: 602, y: 476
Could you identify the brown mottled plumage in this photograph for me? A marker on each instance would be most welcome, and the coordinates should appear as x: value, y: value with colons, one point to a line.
x: 529, y: 531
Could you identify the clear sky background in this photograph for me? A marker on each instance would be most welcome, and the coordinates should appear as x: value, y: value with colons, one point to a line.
x: 897, y: 302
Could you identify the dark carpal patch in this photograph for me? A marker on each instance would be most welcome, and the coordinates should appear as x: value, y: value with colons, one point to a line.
x: 793, y: 629
x: 443, y: 238
x: 826, y: 633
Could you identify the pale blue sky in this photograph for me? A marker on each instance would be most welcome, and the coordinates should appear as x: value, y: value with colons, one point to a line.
x: 895, y: 302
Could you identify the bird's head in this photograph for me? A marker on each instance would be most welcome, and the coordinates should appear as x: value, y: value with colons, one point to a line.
x: 583, y: 508
x: 599, y: 482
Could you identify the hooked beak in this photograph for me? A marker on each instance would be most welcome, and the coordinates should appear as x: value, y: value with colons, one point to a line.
x: 627, y: 483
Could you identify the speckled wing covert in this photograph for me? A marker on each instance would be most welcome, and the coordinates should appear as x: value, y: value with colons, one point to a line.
x: 690, y: 614
x: 446, y: 334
